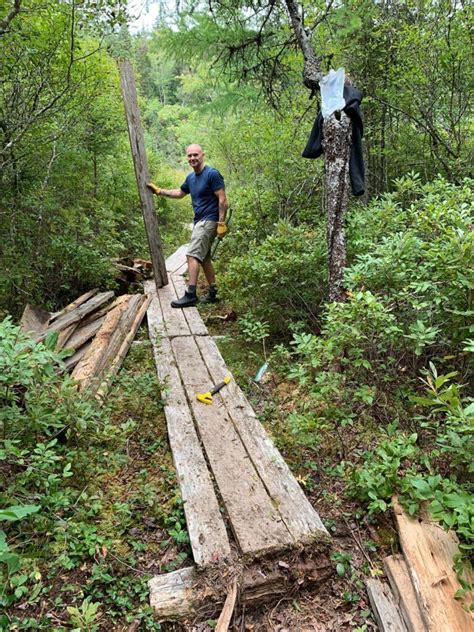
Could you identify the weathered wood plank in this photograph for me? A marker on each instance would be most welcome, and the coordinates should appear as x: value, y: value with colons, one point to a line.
x: 177, y: 259
x: 191, y: 314
x: 72, y: 306
x: 137, y: 144
x: 174, y: 319
x: 87, y: 368
x: 173, y: 595
x: 34, y: 320
x: 297, y: 512
x: 207, y: 532
x: 64, y: 336
x: 429, y: 552
x: 256, y: 524
x: 403, y: 592
x: 84, y: 333
x: 383, y: 605
x: 77, y: 314
x: 72, y: 361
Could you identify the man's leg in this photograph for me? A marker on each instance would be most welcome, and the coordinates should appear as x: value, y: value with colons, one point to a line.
x: 211, y: 296
x: 189, y: 299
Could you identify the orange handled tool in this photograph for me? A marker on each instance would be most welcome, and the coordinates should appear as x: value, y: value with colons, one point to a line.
x: 206, y: 398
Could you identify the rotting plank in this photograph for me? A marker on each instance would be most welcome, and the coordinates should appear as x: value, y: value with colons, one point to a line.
x: 297, y: 512
x: 191, y: 314
x: 174, y: 319
x: 207, y: 532
x: 403, y: 592
x: 72, y: 306
x: 85, y: 333
x: 385, y: 611
x: 256, y: 523
x: 173, y: 594
x: 77, y: 314
x: 429, y: 552
x: 34, y: 320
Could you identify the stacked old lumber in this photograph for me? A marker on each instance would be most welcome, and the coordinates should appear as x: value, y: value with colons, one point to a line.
x: 423, y: 584
x: 97, y: 327
x: 131, y: 272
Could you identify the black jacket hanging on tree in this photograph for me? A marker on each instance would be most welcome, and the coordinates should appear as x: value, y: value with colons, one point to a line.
x: 314, y: 146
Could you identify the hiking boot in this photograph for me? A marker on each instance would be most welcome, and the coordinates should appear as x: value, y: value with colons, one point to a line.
x: 211, y: 296
x: 188, y: 300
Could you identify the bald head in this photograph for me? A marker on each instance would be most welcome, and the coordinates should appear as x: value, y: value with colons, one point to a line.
x: 195, y: 156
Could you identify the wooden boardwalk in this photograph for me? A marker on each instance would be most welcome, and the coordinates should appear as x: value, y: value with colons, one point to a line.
x: 237, y: 490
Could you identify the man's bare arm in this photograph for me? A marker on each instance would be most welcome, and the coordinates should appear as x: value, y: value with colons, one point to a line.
x: 171, y: 193
x: 223, y: 204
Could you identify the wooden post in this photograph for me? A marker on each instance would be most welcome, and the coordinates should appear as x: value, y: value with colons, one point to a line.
x: 137, y: 145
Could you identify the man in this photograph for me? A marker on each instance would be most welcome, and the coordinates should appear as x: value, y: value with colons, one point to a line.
x: 207, y: 189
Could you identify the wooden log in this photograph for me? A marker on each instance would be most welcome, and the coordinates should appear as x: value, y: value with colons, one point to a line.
x: 77, y: 314
x: 206, y: 529
x: 118, y: 359
x: 87, y: 368
x: 295, y: 509
x: 34, y: 320
x: 255, y: 521
x: 72, y: 306
x: 385, y: 611
x: 429, y: 552
x: 137, y: 144
x: 403, y: 592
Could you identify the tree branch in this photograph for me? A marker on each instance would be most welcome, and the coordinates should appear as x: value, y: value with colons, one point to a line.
x: 5, y: 23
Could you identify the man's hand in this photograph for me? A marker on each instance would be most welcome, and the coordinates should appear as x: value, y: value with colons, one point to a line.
x: 221, y: 229
x: 153, y: 188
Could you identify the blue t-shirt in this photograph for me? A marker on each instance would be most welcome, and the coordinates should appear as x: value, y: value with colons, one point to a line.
x: 202, y: 188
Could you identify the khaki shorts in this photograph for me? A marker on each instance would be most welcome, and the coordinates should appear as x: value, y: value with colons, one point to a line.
x: 204, y: 233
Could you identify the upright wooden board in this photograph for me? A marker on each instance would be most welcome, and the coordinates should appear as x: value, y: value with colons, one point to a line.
x: 384, y: 608
x: 256, y: 523
x: 429, y: 552
x: 137, y: 145
x: 403, y: 592
x: 296, y: 510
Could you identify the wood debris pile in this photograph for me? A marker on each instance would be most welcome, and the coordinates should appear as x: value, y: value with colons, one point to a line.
x: 423, y: 584
x: 130, y: 272
x: 97, y: 326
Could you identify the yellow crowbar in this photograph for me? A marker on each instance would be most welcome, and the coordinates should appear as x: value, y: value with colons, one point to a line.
x: 206, y: 398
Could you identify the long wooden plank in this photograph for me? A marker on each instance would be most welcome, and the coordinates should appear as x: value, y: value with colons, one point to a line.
x: 383, y: 605
x: 177, y: 259
x: 72, y: 306
x: 191, y: 314
x: 84, y: 333
x: 429, y: 552
x: 137, y: 145
x: 174, y: 319
x: 207, y: 532
x: 403, y: 592
x: 256, y: 524
x: 77, y: 314
x: 296, y: 510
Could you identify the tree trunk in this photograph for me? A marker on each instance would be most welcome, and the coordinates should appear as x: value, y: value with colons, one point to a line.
x: 337, y: 144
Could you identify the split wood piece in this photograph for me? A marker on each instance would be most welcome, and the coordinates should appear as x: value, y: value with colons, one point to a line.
x: 226, y: 615
x: 84, y: 333
x: 297, y: 512
x: 64, y: 336
x: 119, y: 358
x: 179, y: 594
x: 191, y: 314
x: 403, y: 592
x: 73, y: 360
x: 174, y: 319
x: 98, y: 313
x: 385, y: 611
x: 206, y: 529
x: 256, y: 523
x: 177, y: 259
x: 137, y: 145
x: 87, y: 368
x: 72, y: 306
x: 34, y: 320
x: 77, y: 314
x: 429, y: 552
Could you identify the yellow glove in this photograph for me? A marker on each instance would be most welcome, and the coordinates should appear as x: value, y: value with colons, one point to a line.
x: 153, y: 188
x: 221, y: 229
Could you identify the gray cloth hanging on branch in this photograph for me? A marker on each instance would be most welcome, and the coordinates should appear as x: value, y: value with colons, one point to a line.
x: 314, y: 146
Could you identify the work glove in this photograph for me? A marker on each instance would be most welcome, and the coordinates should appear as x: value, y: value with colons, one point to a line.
x: 221, y: 229
x: 153, y: 188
